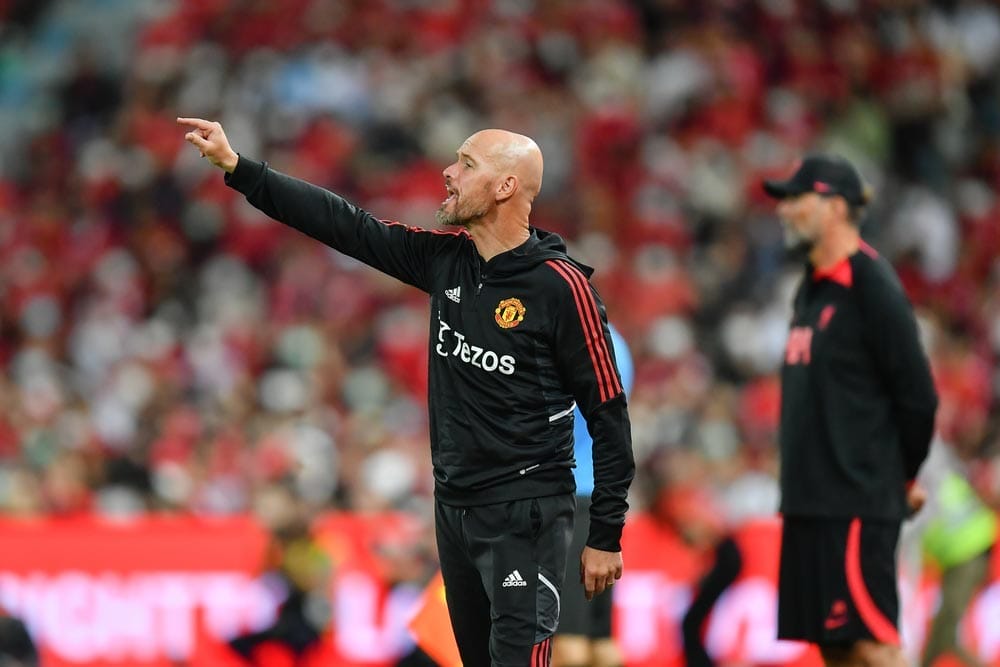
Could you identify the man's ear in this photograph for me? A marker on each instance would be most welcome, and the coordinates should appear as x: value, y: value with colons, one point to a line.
x: 506, y: 188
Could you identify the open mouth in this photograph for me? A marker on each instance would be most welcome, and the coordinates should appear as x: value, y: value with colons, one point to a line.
x: 451, y: 195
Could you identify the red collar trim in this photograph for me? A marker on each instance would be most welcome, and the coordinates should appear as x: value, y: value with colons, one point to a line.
x: 839, y: 273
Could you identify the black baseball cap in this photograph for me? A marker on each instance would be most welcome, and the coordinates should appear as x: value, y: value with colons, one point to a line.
x: 825, y: 175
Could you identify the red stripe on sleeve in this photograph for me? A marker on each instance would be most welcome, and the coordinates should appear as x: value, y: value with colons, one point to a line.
x: 881, y: 627
x: 411, y: 228
x: 604, y: 382
x: 600, y: 342
x: 594, y: 319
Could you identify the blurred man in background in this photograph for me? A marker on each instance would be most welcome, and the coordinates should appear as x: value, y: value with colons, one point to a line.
x: 959, y: 525
x: 857, y: 416
x: 296, y: 560
x: 584, y: 634
x: 519, y: 338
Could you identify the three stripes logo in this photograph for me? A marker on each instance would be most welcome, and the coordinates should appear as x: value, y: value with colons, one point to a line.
x: 514, y: 579
x: 455, y: 294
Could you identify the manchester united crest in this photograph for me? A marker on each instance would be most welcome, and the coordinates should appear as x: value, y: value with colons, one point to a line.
x: 509, y: 313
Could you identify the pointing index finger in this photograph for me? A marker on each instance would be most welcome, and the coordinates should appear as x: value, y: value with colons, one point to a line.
x: 195, y: 122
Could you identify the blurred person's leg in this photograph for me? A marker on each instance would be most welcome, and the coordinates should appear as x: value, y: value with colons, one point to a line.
x: 838, y: 589
x: 840, y: 656
x: 606, y: 654
x: 577, y: 651
x: 870, y: 568
x: 958, y: 585
x: 863, y: 653
x: 804, y: 564
x: 879, y: 654
x: 571, y: 651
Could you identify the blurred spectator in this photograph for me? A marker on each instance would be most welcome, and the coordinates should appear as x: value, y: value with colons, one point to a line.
x: 16, y: 647
x: 959, y: 526
x: 959, y: 538
x: 301, y: 567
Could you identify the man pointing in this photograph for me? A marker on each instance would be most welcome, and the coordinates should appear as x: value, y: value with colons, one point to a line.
x: 518, y: 338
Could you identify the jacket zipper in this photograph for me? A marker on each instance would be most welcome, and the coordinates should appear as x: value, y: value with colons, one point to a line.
x: 480, y: 276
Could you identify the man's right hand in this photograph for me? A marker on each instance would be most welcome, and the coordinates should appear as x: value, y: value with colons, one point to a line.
x: 209, y: 138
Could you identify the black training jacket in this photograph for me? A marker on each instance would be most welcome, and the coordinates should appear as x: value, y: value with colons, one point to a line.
x: 857, y: 398
x: 515, y: 342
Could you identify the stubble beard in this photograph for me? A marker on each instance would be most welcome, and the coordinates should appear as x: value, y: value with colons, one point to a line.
x: 796, y: 242
x: 457, y: 217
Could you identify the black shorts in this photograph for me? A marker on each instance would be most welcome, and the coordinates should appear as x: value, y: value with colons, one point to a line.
x: 503, y: 566
x: 837, y: 582
x: 579, y: 617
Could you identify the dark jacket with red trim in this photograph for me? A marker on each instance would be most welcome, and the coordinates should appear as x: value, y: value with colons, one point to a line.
x: 515, y: 342
x: 858, y: 399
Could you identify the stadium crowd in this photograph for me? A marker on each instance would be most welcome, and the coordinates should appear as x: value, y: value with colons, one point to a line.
x: 165, y: 348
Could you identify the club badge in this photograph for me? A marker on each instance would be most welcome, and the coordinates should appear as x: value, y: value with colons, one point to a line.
x: 509, y: 313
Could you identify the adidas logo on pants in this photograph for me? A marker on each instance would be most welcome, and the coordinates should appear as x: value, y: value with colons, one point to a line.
x: 514, y: 579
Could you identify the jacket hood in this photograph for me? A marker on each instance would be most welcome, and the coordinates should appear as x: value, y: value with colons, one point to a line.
x: 541, y: 246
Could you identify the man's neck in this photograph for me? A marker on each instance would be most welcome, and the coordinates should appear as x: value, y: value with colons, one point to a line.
x: 498, y: 237
x: 841, y: 241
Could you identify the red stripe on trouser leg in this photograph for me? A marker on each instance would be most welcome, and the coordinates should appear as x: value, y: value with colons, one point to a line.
x: 541, y: 653
x: 881, y: 627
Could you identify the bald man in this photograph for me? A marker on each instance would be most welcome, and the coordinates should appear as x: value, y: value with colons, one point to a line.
x: 518, y: 339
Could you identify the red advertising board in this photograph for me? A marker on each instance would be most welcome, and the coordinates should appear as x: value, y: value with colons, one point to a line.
x: 102, y: 593
x: 652, y: 597
x: 169, y: 591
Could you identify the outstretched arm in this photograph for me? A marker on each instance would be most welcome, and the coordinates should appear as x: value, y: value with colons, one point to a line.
x: 406, y: 253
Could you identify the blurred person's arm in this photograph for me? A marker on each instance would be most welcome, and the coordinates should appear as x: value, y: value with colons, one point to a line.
x: 906, y: 371
x: 984, y: 478
x: 725, y: 570
x: 583, y: 353
x: 16, y: 645
x: 406, y: 253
